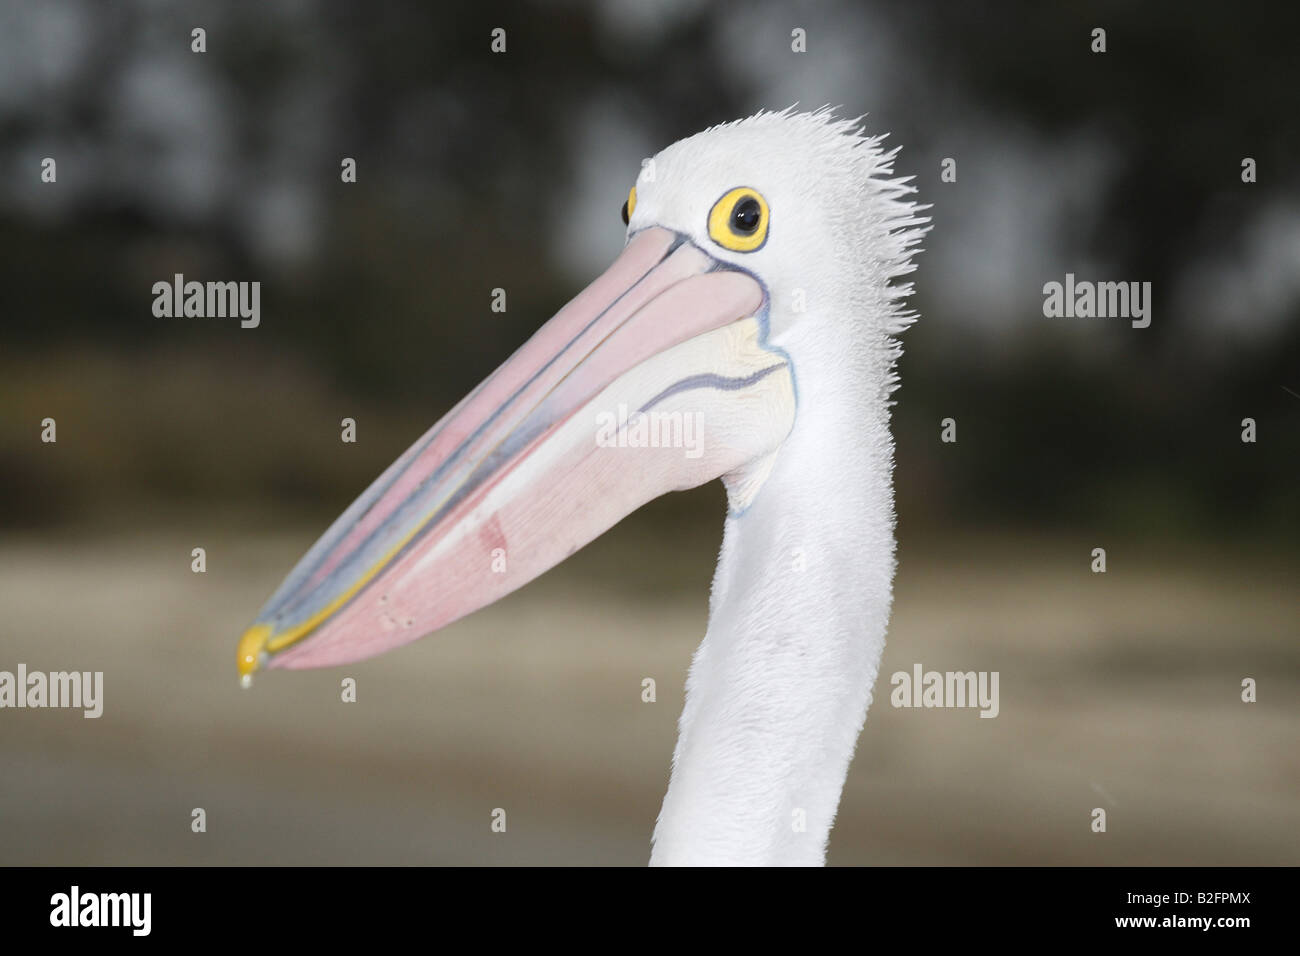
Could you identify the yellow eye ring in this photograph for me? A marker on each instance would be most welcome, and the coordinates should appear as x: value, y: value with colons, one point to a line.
x: 739, y: 220
x: 629, y: 207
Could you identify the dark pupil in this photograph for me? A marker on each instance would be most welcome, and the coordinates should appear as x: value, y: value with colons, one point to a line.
x: 744, y: 218
x: 625, y: 212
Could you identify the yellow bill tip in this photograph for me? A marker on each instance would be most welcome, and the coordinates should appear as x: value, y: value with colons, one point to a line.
x: 252, y: 646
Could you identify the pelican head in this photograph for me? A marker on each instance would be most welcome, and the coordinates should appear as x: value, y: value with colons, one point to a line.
x: 744, y: 332
x: 833, y: 228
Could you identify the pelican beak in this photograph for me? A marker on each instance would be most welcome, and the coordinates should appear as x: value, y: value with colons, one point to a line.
x: 655, y: 378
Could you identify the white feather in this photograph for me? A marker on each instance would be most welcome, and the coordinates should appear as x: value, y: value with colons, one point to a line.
x: 779, y: 688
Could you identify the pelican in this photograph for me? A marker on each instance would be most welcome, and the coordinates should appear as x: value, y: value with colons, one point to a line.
x: 757, y: 295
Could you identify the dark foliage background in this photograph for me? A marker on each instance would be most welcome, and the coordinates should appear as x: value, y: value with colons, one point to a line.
x: 479, y: 171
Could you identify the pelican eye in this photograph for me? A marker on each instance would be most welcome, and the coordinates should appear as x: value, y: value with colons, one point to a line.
x: 739, y: 220
x: 746, y: 215
x: 629, y: 206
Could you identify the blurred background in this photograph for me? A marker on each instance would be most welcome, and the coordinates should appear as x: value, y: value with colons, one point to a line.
x: 478, y: 170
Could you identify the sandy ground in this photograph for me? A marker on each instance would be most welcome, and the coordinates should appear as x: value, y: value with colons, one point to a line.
x: 1119, y: 691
